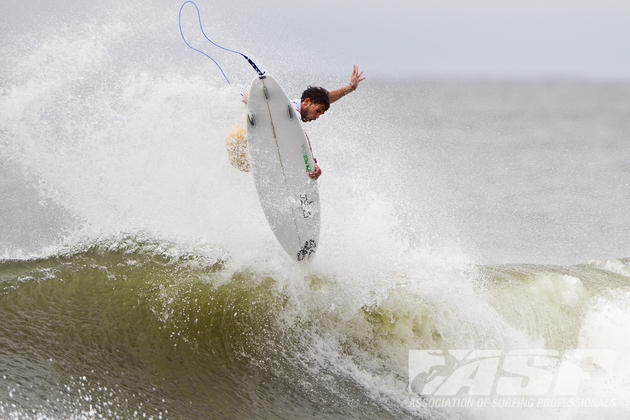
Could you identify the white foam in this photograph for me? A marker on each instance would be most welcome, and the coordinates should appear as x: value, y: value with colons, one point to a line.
x: 612, y: 265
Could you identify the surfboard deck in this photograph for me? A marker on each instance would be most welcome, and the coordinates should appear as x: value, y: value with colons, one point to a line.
x: 280, y: 160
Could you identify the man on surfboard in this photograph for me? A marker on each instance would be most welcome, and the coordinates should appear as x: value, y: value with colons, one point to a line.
x: 314, y: 102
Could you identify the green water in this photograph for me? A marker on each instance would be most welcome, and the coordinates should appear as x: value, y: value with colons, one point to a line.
x: 132, y: 333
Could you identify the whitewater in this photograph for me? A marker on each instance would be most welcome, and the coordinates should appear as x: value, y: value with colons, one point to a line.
x: 475, y: 221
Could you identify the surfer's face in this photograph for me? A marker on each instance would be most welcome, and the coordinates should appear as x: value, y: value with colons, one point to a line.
x: 311, y: 110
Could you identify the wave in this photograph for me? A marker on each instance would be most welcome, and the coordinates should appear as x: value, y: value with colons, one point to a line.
x: 136, y: 325
x: 139, y: 278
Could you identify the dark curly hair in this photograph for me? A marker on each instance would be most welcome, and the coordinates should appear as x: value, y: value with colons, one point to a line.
x: 317, y: 95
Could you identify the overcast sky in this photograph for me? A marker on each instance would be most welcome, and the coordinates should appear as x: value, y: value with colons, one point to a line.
x: 505, y: 38
x: 464, y: 38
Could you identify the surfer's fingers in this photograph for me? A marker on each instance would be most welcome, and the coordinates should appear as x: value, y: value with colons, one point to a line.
x: 315, y: 173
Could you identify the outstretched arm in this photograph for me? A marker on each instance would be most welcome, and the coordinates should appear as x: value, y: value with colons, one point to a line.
x: 355, y: 79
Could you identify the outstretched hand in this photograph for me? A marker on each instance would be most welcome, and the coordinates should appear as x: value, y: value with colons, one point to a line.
x: 356, y: 77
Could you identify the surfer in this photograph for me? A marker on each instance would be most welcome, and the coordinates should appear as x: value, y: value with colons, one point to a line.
x: 314, y: 102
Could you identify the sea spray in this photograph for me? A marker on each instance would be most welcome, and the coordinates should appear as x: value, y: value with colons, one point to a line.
x: 139, y: 276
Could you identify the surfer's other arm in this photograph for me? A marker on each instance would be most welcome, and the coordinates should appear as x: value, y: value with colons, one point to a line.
x: 355, y: 79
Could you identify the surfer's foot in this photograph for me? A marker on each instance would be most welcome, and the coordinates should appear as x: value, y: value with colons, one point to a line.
x: 236, y: 146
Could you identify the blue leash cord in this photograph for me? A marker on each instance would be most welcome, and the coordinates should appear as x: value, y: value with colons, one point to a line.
x: 260, y: 73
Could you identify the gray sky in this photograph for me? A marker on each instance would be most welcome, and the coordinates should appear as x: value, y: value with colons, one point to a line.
x: 523, y: 38
x: 473, y: 38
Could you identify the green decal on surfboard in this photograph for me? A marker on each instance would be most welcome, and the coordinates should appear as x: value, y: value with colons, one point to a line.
x: 305, y: 155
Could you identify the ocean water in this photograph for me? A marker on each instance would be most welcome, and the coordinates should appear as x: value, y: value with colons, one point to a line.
x: 139, y: 278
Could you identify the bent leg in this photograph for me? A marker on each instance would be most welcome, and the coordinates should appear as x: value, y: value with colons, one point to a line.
x: 236, y: 145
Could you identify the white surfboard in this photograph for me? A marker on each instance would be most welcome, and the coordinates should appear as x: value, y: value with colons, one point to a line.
x: 280, y: 160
